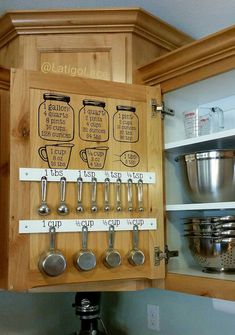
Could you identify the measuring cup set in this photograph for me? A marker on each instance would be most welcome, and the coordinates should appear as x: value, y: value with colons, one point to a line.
x: 53, y: 263
x: 63, y: 208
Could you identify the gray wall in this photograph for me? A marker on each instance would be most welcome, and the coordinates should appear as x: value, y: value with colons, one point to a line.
x: 37, y: 314
x: 179, y: 314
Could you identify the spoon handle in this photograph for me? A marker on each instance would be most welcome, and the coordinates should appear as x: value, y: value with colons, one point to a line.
x: 44, y: 188
x: 62, y: 189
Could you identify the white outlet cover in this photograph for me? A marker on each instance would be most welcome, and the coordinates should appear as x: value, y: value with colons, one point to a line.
x: 153, y: 317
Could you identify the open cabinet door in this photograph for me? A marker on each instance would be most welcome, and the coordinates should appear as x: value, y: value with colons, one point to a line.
x: 72, y: 128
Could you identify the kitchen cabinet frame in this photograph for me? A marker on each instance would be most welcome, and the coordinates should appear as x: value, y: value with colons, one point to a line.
x: 19, y: 199
x: 202, y: 59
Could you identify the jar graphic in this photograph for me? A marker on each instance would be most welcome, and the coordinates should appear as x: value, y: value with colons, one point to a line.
x: 56, y: 118
x: 126, y: 124
x: 93, y: 121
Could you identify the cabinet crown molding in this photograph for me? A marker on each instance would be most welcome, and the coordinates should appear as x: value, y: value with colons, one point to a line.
x: 116, y: 20
x: 195, y: 61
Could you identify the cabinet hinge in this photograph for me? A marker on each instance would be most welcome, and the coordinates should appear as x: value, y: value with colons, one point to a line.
x: 159, y: 255
x: 156, y: 108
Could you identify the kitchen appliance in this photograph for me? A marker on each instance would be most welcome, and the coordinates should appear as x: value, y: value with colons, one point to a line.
x: 209, y: 176
x: 87, y: 307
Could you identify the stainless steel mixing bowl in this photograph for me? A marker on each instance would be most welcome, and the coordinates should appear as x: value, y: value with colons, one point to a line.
x: 209, y: 176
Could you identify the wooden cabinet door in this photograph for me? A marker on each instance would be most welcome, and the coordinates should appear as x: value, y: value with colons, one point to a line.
x: 48, y: 135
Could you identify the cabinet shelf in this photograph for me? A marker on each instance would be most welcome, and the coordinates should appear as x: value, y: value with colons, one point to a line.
x: 200, y: 206
x: 223, y: 139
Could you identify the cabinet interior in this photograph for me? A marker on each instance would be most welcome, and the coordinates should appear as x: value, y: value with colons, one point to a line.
x: 216, y: 91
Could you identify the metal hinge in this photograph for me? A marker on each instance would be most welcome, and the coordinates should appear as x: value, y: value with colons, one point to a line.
x: 159, y: 255
x: 156, y: 108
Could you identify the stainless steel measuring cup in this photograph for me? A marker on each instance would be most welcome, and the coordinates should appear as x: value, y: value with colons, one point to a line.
x: 52, y: 262
x: 136, y: 256
x: 111, y: 258
x: 85, y: 259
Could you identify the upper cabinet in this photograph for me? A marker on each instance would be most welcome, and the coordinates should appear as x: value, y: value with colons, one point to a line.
x: 198, y: 83
x: 81, y: 168
x: 96, y: 43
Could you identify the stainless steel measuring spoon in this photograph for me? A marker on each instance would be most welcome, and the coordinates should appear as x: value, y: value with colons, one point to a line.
x: 106, y: 194
x: 85, y: 259
x: 79, y: 208
x: 94, y: 207
x: 136, y: 256
x: 63, y: 208
x: 129, y: 195
x: 112, y: 258
x: 140, y: 195
x: 52, y: 262
x: 43, y: 209
x: 118, y: 195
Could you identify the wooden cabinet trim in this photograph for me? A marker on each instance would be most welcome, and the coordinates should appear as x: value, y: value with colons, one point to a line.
x: 198, y: 60
x: 91, y: 20
x: 202, y: 286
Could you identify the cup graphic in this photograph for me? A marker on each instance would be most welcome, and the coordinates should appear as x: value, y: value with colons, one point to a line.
x: 94, y: 157
x: 56, y: 155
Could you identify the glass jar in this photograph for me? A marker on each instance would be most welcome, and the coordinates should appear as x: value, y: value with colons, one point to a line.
x: 56, y: 118
x: 93, y: 121
x: 126, y: 124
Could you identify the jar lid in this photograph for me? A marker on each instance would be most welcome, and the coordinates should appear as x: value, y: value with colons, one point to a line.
x: 93, y: 103
x: 57, y: 97
x: 125, y: 108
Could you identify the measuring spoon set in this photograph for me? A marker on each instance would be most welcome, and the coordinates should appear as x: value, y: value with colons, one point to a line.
x: 63, y: 208
x: 53, y: 263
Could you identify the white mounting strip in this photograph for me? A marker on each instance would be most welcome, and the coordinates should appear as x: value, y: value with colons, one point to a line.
x: 66, y: 226
x: 32, y: 174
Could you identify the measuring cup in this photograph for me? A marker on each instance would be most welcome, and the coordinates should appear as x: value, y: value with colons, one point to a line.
x: 203, y: 121
x: 85, y: 260
x: 52, y: 262
x: 136, y: 256
x: 112, y: 257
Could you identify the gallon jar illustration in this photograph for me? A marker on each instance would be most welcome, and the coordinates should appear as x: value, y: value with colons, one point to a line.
x: 93, y: 121
x: 126, y: 124
x: 56, y: 118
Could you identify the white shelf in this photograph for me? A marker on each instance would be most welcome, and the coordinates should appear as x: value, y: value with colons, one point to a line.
x: 223, y: 139
x: 201, y: 206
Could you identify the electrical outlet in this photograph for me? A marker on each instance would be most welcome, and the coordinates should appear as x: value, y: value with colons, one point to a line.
x: 153, y: 317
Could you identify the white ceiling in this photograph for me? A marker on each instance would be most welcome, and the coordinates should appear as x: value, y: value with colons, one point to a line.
x: 196, y: 18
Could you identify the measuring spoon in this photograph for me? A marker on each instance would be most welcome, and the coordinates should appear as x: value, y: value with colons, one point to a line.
x: 79, y: 208
x: 43, y: 209
x: 136, y: 256
x: 63, y: 208
x: 106, y: 194
x: 118, y: 195
x: 129, y: 195
x: 140, y: 195
x: 52, y: 262
x: 85, y: 259
x: 94, y: 207
x: 112, y: 257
